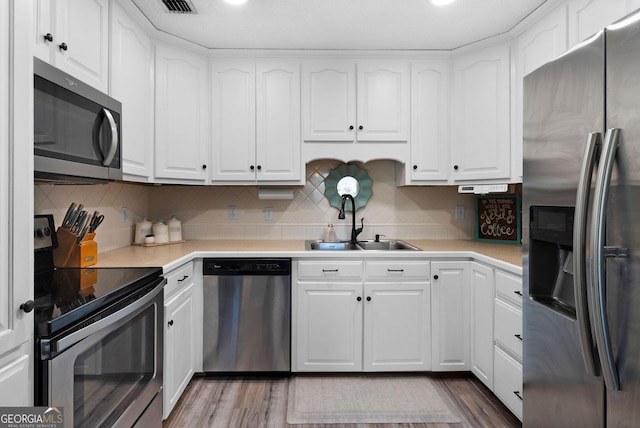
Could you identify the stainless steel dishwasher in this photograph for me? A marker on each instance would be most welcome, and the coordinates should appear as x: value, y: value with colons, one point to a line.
x: 247, y: 315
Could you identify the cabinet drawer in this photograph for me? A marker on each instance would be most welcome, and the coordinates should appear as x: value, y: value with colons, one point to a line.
x: 507, y: 381
x: 508, y: 327
x: 407, y: 269
x: 321, y: 269
x: 178, y: 278
x: 509, y: 287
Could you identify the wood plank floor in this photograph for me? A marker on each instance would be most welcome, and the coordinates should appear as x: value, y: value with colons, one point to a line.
x: 261, y: 402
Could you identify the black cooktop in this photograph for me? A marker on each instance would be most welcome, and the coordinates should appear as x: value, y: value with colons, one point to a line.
x: 65, y: 296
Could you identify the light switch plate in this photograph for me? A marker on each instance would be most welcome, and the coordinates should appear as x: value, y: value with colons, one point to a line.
x: 459, y: 212
x: 268, y: 213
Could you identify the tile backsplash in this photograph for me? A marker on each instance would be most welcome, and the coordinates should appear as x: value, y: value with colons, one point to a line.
x: 424, y: 212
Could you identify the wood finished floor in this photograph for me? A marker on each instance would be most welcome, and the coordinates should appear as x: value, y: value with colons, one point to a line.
x: 237, y: 402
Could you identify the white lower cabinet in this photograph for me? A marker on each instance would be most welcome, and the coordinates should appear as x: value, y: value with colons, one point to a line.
x: 354, y: 316
x: 450, y: 342
x: 482, y: 292
x: 508, y: 341
x: 180, y: 334
x: 508, y: 381
x: 329, y: 328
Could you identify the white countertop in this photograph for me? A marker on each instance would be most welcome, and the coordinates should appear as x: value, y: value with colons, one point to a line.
x: 505, y: 256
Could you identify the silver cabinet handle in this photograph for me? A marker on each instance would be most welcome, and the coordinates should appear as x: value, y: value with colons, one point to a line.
x: 598, y: 271
x: 113, y: 145
x: 580, y: 254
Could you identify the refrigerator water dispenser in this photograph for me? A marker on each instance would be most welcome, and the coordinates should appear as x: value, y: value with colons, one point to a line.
x: 551, y: 258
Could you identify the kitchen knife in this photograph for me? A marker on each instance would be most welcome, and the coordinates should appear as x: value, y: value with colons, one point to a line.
x: 67, y: 216
x: 82, y: 222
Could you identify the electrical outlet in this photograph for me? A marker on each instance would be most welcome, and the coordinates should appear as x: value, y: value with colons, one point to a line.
x: 124, y: 214
x: 459, y: 212
x: 268, y: 213
x: 233, y: 212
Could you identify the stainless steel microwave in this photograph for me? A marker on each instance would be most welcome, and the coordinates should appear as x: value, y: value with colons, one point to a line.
x: 77, y: 129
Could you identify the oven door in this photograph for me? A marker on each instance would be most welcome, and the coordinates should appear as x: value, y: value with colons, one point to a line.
x: 108, y: 373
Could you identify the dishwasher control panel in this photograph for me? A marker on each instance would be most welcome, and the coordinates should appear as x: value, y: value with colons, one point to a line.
x: 254, y: 266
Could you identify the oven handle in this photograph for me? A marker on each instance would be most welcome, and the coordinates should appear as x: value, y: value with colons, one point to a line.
x: 70, y: 340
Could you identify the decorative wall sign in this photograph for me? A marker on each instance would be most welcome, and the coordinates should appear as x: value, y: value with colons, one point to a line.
x: 498, y: 219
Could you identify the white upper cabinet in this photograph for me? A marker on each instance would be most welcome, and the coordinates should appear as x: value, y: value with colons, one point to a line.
x: 278, y: 122
x: 234, y: 122
x: 539, y: 44
x: 181, y: 116
x: 430, y: 112
x: 364, y: 105
x: 256, y: 122
x: 383, y: 101
x: 131, y: 83
x: 481, y: 139
x: 329, y: 101
x: 73, y: 35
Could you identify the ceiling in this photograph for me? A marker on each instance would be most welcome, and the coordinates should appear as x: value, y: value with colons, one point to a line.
x: 339, y: 24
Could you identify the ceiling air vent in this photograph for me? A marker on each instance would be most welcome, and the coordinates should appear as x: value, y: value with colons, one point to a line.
x: 179, y: 6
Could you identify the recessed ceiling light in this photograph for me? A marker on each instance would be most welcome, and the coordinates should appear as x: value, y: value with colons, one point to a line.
x: 441, y: 2
x: 236, y: 1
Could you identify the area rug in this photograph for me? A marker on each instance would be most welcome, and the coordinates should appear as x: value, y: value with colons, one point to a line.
x: 367, y: 399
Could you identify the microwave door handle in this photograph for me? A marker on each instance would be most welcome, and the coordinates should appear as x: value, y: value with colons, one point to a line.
x: 579, y: 253
x: 598, y: 271
x: 113, y: 146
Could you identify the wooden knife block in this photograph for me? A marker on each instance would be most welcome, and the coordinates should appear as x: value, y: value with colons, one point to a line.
x: 71, y: 254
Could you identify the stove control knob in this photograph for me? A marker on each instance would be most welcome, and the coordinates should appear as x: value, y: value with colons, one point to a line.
x: 28, y: 306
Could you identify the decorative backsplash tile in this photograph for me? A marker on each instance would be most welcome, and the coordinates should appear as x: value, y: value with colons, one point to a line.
x: 424, y: 212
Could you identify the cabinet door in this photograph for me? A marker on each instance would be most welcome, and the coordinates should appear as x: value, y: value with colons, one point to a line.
x: 450, y: 316
x: 234, y: 122
x: 179, y: 342
x: 131, y: 71
x: 329, y: 330
x: 482, y: 299
x: 16, y: 203
x: 44, y: 25
x: 181, y: 128
x: 481, y: 122
x: 397, y: 333
x: 329, y: 101
x: 278, y: 122
x: 83, y: 25
x: 383, y: 101
x: 430, y: 95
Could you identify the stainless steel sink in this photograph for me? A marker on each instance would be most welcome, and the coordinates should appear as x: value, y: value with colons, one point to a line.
x: 384, y: 245
x: 330, y: 246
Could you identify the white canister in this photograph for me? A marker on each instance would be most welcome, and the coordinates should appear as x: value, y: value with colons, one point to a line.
x: 143, y: 228
x: 161, y: 232
x: 175, y: 229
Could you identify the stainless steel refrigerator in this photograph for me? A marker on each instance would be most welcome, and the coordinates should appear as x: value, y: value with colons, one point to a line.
x: 581, y: 234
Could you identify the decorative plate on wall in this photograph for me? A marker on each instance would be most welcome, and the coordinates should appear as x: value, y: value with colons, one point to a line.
x: 350, y: 179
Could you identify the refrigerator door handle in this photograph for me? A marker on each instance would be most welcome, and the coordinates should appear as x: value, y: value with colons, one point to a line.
x: 598, y: 272
x: 580, y: 255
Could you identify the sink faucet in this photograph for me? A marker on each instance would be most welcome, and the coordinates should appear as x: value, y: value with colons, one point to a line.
x: 354, y: 232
